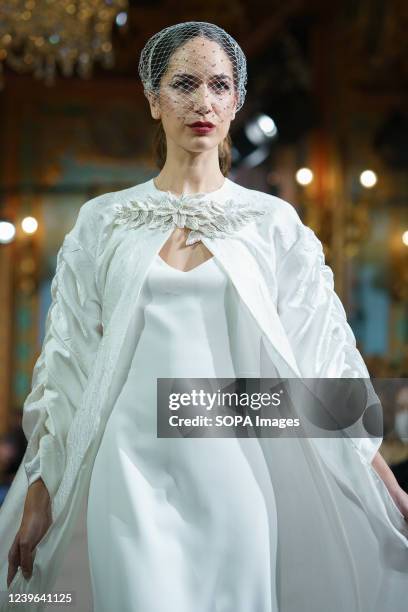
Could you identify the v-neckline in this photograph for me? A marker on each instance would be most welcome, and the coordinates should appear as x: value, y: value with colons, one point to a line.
x: 184, y: 271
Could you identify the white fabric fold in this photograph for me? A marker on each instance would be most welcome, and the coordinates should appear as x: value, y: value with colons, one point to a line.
x: 315, y: 320
x: 73, y: 331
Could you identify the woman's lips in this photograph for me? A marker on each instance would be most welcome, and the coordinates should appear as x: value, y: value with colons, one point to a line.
x: 202, y: 129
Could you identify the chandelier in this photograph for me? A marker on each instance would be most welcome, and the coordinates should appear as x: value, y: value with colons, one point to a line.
x: 37, y: 36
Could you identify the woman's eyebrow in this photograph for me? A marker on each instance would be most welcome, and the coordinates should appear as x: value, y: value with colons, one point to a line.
x: 193, y: 76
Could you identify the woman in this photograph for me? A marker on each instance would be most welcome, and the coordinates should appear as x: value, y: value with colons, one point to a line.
x: 190, y: 275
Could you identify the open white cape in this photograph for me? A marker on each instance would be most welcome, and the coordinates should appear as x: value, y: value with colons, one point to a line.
x: 277, y: 266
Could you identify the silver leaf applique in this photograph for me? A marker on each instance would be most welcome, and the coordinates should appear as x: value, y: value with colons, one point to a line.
x: 203, y: 216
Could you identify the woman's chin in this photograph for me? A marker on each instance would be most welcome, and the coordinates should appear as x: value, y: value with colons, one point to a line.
x: 199, y: 144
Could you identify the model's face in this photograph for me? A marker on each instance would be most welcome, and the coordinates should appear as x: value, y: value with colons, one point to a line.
x: 198, y: 86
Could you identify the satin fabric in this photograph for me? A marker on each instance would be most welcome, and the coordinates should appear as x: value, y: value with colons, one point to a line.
x: 177, y: 515
x: 286, y: 291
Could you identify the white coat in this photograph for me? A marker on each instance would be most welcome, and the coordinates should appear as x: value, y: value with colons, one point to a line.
x: 277, y: 266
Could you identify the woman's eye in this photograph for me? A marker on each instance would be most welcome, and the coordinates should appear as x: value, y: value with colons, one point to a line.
x: 185, y: 84
x: 189, y: 85
x: 222, y: 85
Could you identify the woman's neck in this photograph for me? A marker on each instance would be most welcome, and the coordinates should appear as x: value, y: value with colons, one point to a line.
x: 189, y: 180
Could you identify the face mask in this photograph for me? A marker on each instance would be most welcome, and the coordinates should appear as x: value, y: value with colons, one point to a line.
x: 401, y: 425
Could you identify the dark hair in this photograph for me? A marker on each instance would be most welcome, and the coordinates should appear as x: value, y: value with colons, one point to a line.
x: 160, y: 58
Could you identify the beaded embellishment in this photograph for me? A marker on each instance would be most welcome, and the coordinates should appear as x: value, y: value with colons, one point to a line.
x: 202, y: 215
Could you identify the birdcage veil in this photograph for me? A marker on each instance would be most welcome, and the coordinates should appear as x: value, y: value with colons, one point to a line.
x: 157, y: 52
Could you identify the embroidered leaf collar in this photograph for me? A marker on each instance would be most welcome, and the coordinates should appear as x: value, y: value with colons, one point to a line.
x: 197, y: 212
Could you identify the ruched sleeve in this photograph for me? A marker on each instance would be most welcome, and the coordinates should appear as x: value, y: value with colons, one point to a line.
x: 73, y: 330
x: 33, y: 469
x: 315, y: 320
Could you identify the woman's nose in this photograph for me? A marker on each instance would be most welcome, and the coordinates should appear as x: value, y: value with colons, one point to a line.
x: 202, y: 99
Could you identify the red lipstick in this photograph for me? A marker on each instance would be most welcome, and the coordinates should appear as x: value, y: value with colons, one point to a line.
x: 202, y: 127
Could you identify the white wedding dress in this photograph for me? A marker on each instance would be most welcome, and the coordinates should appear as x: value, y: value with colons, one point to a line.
x: 171, y: 522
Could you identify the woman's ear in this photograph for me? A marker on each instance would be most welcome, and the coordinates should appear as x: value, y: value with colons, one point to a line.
x: 154, y: 104
x: 233, y: 112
